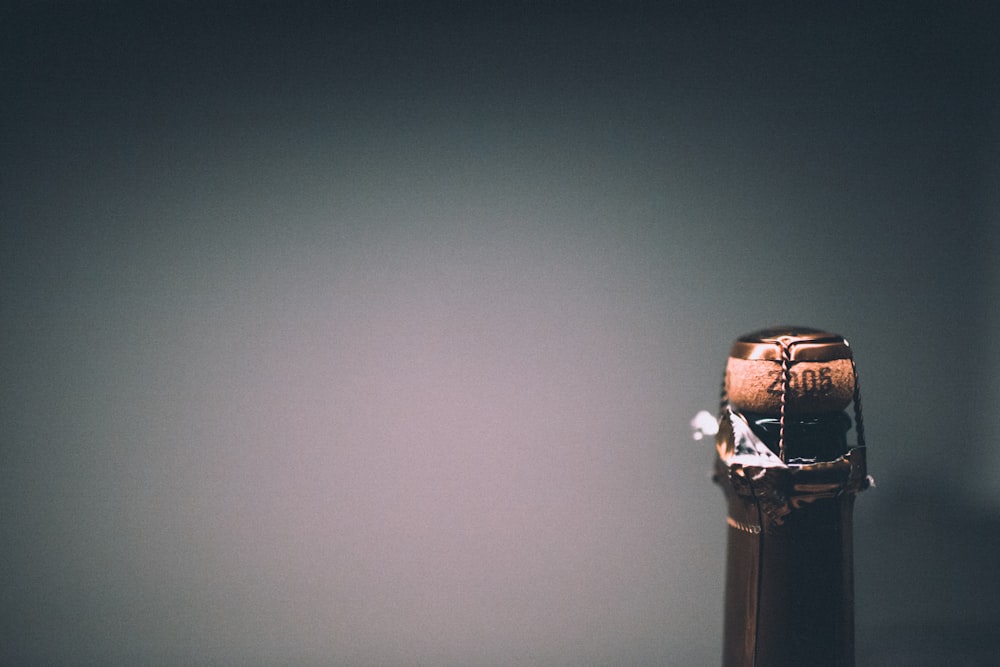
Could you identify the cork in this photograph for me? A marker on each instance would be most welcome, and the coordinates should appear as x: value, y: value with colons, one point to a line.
x: 821, y: 372
x: 754, y: 385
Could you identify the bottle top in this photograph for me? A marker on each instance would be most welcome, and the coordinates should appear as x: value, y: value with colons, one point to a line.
x: 808, y: 370
x: 804, y: 344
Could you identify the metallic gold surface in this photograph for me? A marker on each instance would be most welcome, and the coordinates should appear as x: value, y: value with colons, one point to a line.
x: 805, y: 345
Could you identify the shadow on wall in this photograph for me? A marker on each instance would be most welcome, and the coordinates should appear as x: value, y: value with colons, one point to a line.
x: 926, y: 585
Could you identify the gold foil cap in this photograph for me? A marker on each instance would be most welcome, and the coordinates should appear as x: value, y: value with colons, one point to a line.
x: 804, y: 344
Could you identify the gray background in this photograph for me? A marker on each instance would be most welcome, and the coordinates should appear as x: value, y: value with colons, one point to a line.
x: 370, y: 334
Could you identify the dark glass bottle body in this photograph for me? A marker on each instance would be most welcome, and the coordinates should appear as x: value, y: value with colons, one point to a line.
x: 789, y: 573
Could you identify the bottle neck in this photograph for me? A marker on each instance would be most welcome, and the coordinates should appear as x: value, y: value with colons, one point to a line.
x: 808, y: 438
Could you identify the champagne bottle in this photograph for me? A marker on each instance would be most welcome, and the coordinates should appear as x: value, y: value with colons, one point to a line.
x: 790, y: 478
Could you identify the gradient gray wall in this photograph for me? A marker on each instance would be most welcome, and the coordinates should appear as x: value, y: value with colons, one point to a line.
x: 371, y: 335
